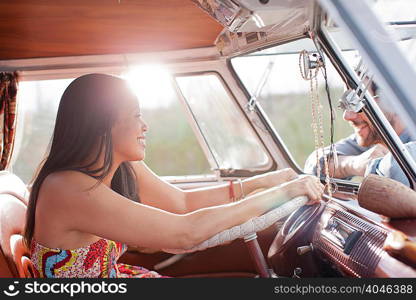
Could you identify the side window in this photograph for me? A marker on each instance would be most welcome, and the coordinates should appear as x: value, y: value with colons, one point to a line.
x: 172, y: 148
x: 231, y: 140
x: 38, y: 103
x: 285, y: 97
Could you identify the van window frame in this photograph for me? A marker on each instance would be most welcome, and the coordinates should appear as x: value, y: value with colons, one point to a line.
x: 272, y: 165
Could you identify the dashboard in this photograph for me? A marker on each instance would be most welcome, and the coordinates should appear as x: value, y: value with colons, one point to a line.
x: 353, y: 244
x: 335, y: 239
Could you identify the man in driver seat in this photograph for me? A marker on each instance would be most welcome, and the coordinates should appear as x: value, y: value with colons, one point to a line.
x: 364, y: 152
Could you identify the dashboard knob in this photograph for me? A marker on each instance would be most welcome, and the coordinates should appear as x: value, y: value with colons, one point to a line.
x: 304, y: 249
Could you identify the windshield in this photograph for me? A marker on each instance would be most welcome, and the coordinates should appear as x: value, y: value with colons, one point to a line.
x: 399, y: 19
x: 272, y: 77
x: 300, y: 110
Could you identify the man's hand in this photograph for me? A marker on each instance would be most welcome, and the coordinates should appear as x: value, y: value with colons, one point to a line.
x: 356, y: 165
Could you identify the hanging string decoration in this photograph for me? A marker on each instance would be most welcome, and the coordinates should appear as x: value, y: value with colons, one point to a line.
x: 309, y: 71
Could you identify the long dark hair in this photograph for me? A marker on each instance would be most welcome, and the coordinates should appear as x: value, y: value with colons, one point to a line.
x: 87, y: 111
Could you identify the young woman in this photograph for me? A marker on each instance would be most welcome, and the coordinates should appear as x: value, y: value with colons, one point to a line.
x: 94, y: 194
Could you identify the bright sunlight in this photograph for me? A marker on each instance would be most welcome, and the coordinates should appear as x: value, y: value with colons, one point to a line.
x: 152, y: 85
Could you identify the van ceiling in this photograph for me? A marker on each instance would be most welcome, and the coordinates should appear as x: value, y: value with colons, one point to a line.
x: 54, y: 28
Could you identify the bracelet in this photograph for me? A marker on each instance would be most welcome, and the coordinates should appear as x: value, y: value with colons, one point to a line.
x: 241, y: 187
x: 231, y: 193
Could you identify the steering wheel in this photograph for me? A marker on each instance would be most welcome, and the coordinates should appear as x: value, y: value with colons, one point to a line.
x: 249, y: 227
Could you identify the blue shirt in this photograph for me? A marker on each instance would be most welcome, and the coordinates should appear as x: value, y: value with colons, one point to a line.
x: 387, y: 166
x: 384, y: 166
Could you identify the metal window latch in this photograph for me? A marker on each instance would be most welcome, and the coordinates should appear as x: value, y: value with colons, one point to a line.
x: 251, y: 103
x: 312, y: 61
x: 350, y: 101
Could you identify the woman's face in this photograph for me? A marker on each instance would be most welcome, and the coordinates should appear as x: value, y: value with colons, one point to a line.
x: 129, y: 132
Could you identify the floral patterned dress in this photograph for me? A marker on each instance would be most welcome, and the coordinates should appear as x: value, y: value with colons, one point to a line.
x: 98, y: 260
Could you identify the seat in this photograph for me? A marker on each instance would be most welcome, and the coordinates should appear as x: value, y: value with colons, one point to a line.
x: 5, y: 271
x: 21, y: 256
x: 15, y: 194
x: 14, y: 254
x: 13, y: 185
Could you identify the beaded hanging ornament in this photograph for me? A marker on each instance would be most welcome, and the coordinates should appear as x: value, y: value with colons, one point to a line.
x: 309, y: 71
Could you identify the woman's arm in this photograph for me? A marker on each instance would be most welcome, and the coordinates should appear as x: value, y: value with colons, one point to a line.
x: 217, y: 195
x: 158, y: 193
x: 105, y: 213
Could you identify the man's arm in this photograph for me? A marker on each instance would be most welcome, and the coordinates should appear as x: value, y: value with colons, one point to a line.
x: 355, y: 165
x: 352, y: 159
x: 387, y: 166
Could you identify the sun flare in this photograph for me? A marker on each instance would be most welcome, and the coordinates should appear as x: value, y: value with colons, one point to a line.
x: 152, y: 85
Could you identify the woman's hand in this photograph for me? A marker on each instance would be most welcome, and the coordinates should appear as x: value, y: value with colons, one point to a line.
x: 307, y: 185
x: 278, y: 177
